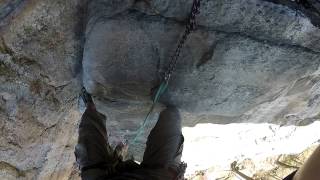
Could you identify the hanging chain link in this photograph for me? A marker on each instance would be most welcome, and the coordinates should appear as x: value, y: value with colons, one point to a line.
x: 191, y: 26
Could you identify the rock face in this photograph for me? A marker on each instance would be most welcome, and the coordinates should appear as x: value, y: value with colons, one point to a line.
x: 243, y: 54
x: 40, y: 51
x: 249, y: 61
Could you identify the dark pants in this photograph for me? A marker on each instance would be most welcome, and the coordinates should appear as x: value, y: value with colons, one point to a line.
x: 165, y: 141
x: 163, y: 150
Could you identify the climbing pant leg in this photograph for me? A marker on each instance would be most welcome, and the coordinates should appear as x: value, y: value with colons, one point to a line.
x: 165, y: 142
x: 93, y: 147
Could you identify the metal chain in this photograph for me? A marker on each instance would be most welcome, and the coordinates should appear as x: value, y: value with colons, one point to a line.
x: 191, y: 26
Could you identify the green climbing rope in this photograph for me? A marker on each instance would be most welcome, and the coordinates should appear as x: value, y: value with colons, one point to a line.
x: 162, y: 88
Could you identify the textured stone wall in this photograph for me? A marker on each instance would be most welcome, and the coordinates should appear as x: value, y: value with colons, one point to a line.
x: 250, y: 61
x: 40, y: 54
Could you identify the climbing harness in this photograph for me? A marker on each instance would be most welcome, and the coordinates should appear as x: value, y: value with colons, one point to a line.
x: 191, y: 26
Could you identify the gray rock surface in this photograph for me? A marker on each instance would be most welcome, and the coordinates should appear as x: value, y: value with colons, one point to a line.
x: 221, y: 71
x: 39, y: 56
x: 249, y: 61
x: 258, y: 19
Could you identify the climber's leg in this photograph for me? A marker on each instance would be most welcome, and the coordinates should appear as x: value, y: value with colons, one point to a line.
x: 310, y: 169
x: 165, y: 142
x: 92, y: 150
x: 92, y: 147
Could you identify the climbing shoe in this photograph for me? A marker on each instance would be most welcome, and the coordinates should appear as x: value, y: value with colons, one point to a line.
x: 86, y: 97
